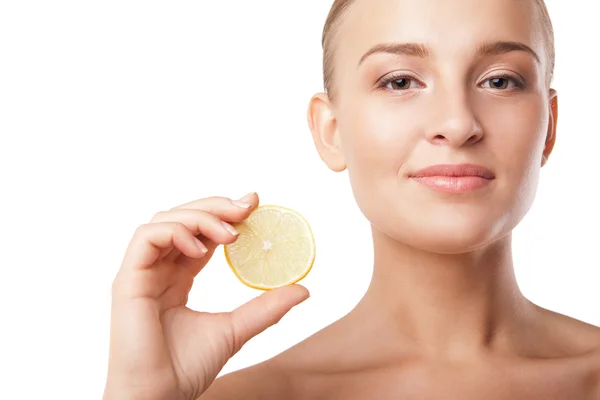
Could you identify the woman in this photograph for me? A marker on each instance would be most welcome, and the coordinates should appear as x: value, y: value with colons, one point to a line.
x: 443, y: 114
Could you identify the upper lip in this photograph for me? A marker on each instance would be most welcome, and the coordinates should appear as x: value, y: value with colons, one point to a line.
x: 454, y: 170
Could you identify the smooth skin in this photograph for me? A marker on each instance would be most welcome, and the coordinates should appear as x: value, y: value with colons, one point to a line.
x: 443, y: 317
x: 159, y: 348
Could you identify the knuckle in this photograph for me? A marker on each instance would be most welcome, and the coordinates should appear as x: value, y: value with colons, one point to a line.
x: 267, y: 309
x: 217, y: 199
x: 177, y: 227
x: 117, y: 284
x: 210, y: 216
x: 141, y: 230
x: 159, y: 216
x: 205, y: 218
x: 236, y: 334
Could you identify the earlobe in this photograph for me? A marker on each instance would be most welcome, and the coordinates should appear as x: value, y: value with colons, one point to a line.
x: 551, y: 134
x: 323, y: 126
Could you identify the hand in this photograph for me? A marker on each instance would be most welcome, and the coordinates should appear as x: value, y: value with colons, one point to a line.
x: 159, y: 348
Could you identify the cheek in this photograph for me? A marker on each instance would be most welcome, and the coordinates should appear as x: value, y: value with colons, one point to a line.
x: 377, y: 137
x: 516, y: 138
x: 377, y: 140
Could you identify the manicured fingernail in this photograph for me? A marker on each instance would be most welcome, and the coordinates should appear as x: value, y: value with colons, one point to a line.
x: 230, y: 228
x: 201, y: 246
x: 242, y: 204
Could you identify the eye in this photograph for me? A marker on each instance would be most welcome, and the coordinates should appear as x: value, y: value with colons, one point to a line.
x: 398, y: 83
x: 502, y: 83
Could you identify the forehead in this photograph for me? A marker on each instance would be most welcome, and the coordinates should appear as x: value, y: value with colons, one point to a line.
x: 449, y: 27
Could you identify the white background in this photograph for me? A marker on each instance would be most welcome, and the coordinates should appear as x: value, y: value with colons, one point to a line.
x: 113, y: 110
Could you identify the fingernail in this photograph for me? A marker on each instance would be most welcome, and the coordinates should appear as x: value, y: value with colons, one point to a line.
x: 230, y: 228
x: 201, y: 246
x: 246, y: 197
x: 242, y: 204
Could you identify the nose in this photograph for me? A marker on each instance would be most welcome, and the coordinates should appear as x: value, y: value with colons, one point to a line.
x: 452, y: 121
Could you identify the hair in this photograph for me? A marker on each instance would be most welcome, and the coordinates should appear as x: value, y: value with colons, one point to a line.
x: 341, y: 7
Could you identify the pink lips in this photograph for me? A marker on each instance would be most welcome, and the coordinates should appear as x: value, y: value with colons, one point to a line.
x: 454, y: 178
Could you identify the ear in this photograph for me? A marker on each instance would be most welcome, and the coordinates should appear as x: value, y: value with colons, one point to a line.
x: 324, y: 128
x: 551, y: 135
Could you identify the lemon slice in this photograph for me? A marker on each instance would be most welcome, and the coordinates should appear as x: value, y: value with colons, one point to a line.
x: 275, y: 248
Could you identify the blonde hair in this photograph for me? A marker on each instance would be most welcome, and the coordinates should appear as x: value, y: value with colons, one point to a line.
x: 340, y: 8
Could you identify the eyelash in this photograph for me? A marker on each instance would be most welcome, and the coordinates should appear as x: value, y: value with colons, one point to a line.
x: 395, y: 77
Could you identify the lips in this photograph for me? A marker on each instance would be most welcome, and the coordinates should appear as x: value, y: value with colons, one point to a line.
x: 454, y: 170
x: 454, y: 178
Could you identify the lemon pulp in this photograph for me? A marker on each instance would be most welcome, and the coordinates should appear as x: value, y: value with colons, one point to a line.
x: 275, y: 248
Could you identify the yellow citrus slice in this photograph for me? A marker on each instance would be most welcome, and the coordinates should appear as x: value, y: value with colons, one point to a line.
x: 275, y: 248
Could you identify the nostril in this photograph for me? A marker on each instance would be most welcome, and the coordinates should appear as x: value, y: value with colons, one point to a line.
x: 474, y: 139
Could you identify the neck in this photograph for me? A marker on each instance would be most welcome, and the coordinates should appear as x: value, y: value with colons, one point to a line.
x: 453, y: 305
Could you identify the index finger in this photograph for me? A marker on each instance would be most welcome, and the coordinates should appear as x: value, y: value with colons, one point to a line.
x: 222, y: 206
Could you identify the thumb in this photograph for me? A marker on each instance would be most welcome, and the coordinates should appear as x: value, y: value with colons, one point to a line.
x: 264, y: 311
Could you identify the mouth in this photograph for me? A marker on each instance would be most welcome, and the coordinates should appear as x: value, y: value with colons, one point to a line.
x: 454, y: 178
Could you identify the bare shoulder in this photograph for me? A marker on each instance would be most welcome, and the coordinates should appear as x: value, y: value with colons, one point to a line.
x: 579, y: 340
x: 571, y: 333
x: 596, y: 367
x: 260, y: 381
x: 594, y: 360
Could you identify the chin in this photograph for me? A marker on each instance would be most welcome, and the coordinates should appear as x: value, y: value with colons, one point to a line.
x: 451, y: 225
x: 453, y: 234
x: 450, y: 242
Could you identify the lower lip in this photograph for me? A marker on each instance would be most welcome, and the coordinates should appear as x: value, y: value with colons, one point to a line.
x: 453, y: 184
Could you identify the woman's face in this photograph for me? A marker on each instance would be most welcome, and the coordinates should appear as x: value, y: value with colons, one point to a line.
x: 461, y: 82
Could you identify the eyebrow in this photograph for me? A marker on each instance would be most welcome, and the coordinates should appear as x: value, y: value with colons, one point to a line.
x: 423, y: 51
